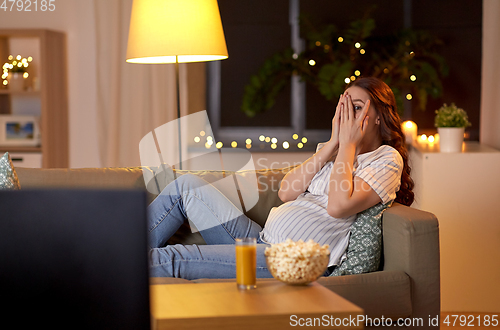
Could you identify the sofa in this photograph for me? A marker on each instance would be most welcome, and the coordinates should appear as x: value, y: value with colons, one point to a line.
x: 407, y: 284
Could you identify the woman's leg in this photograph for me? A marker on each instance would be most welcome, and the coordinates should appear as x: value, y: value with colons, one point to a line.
x: 190, y: 197
x: 200, y: 261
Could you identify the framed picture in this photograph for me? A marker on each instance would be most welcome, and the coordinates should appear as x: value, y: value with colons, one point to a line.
x: 19, y: 131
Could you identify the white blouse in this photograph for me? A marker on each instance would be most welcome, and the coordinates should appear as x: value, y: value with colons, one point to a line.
x: 307, y: 218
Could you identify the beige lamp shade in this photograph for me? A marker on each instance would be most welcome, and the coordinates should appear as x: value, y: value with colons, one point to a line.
x: 160, y: 30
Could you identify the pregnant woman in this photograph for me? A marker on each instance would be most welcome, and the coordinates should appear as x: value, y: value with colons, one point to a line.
x: 364, y: 163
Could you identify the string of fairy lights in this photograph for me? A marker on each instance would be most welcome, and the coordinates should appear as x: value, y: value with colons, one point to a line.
x: 17, y: 64
x: 261, y: 142
x: 357, y: 73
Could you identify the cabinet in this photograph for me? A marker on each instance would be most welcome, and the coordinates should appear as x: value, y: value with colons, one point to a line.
x: 44, y: 95
x: 463, y: 190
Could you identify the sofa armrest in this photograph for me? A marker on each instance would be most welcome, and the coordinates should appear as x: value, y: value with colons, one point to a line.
x: 411, y: 244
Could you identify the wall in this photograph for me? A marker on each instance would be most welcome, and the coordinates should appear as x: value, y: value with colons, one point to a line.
x: 490, y: 84
x: 76, y: 19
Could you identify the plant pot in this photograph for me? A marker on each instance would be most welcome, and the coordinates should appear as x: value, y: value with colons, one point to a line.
x: 451, y: 139
x: 16, y: 81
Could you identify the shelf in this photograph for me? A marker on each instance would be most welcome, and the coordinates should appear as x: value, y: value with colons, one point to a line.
x: 49, y: 101
x: 4, y: 149
x: 23, y: 93
x: 467, y: 147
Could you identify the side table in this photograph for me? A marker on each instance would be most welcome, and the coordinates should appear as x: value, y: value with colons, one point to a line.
x: 463, y: 190
x: 273, y: 305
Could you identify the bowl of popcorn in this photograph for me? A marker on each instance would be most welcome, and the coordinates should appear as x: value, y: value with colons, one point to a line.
x: 297, y: 263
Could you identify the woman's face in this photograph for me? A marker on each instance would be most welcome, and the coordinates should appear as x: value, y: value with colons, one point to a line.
x: 359, y: 97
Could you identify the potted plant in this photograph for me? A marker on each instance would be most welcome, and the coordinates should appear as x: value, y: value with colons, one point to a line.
x: 451, y: 122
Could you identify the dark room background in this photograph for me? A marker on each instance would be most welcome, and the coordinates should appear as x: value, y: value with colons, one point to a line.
x: 257, y: 29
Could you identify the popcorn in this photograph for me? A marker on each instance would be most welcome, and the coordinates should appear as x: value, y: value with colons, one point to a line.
x: 297, y: 262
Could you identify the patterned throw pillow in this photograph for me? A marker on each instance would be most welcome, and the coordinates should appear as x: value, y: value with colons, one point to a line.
x: 8, y: 176
x: 365, y: 243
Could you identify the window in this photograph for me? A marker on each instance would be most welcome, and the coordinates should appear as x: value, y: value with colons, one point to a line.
x: 257, y: 29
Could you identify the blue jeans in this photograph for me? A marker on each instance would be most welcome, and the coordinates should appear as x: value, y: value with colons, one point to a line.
x: 219, y: 222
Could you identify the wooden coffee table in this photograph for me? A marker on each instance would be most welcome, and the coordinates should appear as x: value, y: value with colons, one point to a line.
x: 273, y: 305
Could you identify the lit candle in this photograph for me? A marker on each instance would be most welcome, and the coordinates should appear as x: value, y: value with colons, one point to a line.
x: 410, y: 131
x: 431, y: 141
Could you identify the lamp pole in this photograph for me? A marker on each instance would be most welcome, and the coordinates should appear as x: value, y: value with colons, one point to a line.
x: 178, y: 108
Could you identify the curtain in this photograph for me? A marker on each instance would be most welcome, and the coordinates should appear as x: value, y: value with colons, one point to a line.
x: 490, y: 80
x: 134, y: 99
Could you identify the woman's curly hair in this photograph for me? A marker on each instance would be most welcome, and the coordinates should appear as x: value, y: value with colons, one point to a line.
x: 384, y: 102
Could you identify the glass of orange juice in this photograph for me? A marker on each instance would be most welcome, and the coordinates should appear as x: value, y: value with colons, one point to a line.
x: 246, y: 263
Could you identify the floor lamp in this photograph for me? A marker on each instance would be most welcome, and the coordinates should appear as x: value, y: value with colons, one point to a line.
x: 175, y: 31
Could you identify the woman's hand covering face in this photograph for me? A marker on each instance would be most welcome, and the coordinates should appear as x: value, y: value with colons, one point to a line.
x: 353, y: 120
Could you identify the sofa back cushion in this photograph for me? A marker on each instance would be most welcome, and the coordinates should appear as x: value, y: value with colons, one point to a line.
x: 81, y: 178
x: 267, y: 182
x: 365, y: 243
